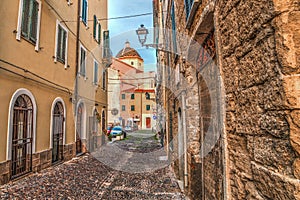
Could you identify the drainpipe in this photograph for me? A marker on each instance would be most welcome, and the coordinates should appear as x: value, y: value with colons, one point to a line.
x: 184, y: 139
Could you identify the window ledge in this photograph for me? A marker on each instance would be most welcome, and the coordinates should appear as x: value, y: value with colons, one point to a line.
x: 194, y: 8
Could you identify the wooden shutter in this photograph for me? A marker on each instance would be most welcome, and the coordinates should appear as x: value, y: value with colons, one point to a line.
x: 99, y: 33
x: 64, y: 45
x: 95, y: 73
x: 84, y: 11
x: 34, y: 21
x: 58, y: 48
x: 95, y: 27
x: 25, y: 17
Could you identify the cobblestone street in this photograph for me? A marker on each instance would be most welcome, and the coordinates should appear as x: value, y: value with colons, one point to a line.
x: 91, y: 177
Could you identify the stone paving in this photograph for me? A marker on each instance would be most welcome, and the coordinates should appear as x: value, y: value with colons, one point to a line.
x: 90, y: 177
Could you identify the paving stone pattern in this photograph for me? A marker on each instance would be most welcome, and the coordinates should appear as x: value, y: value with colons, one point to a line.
x: 86, y: 177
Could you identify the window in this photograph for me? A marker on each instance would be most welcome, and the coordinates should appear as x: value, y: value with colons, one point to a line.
x: 82, y: 61
x: 97, y: 30
x: 84, y: 11
x: 147, y: 95
x: 147, y: 107
x: 123, y: 108
x: 95, y: 79
x: 132, y: 96
x: 132, y: 63
x: 123, y: 96
x: 104, y: 79
x: 29, y: 21
x: 61, y: 44
x: 132, y: 108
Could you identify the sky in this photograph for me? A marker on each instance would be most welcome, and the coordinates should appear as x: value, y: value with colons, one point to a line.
x: 124, y: 29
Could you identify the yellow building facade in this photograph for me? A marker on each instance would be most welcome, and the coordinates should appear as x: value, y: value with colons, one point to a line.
x: 52, y: 82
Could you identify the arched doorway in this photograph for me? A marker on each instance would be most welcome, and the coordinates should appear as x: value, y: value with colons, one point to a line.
x: 57, y: 132
x: 79, y: 128
x: 22, y: 136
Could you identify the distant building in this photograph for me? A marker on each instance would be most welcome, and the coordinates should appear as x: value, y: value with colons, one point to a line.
x: 131, y: 91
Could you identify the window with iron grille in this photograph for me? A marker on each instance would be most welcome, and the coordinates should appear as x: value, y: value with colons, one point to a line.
x: 61, y: 44
x: 123, y: 96
x: 29, y: 21
x: 84, y: 11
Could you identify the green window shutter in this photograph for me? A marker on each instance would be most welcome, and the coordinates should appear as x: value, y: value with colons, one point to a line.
x: 25, y: 17
x: 99, y: 33
x: 95, y: 73
x: 84, y: 11
x: 95, y: 27
x: 64, y: 46
x: 58, y: 50
x: 34, y: 21
x: 83, y: 61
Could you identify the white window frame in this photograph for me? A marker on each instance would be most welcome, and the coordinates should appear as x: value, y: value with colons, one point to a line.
x: 87, y: 13
x: 19, y: 26
x: 56, y: 40
x: 94, y: 73
x: 85, y: 61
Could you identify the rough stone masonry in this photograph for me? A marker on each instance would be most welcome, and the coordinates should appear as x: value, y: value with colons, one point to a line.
x: 258, y: 55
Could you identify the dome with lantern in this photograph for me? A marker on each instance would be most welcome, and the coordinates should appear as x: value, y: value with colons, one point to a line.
x: 130, y: 56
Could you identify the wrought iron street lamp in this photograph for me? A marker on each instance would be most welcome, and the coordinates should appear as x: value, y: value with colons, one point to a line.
x: 142, y: 33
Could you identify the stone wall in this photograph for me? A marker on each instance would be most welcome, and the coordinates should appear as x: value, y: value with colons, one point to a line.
x: 258, y: 56
x: 257, y: 41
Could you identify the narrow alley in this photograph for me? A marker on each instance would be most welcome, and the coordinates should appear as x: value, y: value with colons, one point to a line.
x: 86, y: 177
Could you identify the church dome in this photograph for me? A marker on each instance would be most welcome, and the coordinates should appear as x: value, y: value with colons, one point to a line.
x: 127, y: 51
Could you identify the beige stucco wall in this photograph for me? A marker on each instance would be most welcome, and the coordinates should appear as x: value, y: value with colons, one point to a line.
x: 137, y: 62
x: 22, y: 53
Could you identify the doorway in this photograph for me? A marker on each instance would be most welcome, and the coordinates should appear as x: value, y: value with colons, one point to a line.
x: 22, y: 136
x: 57, y: 132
